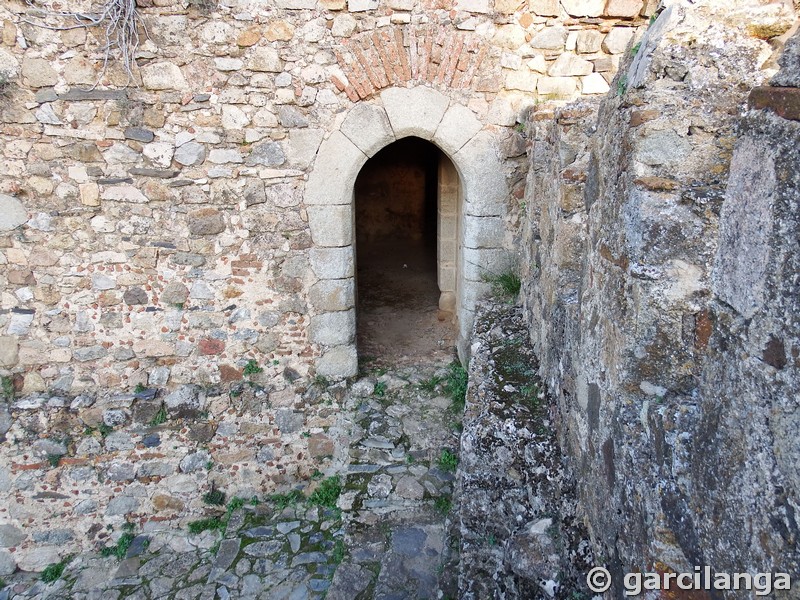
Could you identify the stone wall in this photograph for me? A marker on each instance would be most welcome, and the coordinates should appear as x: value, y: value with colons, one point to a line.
x: 660, y: 255
x: 194, y: 228
x: 167, y: 227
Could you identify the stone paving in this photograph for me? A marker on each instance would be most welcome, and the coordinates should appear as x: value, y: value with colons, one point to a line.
x: 376, y: 526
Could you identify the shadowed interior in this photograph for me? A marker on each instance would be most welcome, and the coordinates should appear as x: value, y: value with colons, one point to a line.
x: 396, y: 227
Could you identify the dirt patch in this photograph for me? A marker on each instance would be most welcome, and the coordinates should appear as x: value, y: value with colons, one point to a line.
x: 399, y: 321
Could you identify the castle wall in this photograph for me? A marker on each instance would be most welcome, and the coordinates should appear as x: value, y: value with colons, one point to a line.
x: 190, y: 233
x: 659, y: 289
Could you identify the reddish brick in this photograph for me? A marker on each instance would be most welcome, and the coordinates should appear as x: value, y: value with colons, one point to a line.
x: 401, y: 51
x: 362, y: 60
x: 412, y: 52
x: 784, y: 102
x: 384, y: 53
x: 210, y: 346
x: 375, y: 62
x: 227, y: 373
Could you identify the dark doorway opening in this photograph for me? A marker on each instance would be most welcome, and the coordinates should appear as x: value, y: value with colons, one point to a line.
x: 396, y: 210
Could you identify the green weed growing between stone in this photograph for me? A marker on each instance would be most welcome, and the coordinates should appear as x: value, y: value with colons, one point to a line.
x: 447, y: 461
x: 214, y: 497
x: 120, y: 549
x: 54, y: 571
x: 251, y: 368
x: 160, y: 417
x: 282, y: 501
x: 327, y: 494
x: 8, y: 387
x: 380, y: 389
x: 443, y: 505
x: 456, y: 385
x: 207, y: 524
x: 429, y: 385
x: 505, y: 285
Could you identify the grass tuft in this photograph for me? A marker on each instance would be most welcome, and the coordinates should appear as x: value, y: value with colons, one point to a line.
x: 160, y: 417
x: 456, y: 385
x: 207, y: 524
x: 54, y: 571
x: 327, y: 494
x: 505, y: 285
x: 251, y: 368
x: 447, y: 461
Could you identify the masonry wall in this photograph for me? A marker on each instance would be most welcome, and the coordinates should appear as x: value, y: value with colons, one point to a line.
x: 659, y: 285
x: 163, y: 244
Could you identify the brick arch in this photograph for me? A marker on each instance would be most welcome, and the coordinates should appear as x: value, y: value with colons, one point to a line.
x: 367, y: 128
x: 434, y: 54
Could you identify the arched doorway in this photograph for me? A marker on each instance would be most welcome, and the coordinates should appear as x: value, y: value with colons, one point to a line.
x: 406, y: 202
x: 482, y: 242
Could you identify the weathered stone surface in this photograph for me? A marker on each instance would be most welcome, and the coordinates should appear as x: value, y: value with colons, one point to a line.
x: 617, y: 40
x: 265, y: 59
x: 415, y: 111
x: 37, y: 73
x: 11, y: 536
x: 302, y: 147
x: 206, y: 221
x: 332, y: 295
x: 334, y: 173
x: 12, y: 213
x: 195, y: 462
x: 289, y: 421
x: 343, y: 26
x: 545, y: 8
x: 279, y: 30
x: 568, y: 64
x: 663, y: 147
x: 552, y: 38
x: 624, y: 8
x: 338, y: 363
x: 584, y: 8
x: 140, y: 134
x: 332, y: 329
x: 163, y: 76
x: 332, y: 263
x: 330, y: 226
x: 7, y: 563
x: 184, y: 401
x: 789, y: 74
x: 367, y: 126
x: 268, y: 154
x: 594, y: 84
x: 190, y: 154
x: 485, y: 188
x: 174, y: 293
x: 784, y: 102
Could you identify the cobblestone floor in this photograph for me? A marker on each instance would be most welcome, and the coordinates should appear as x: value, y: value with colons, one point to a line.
x: 387, y: 538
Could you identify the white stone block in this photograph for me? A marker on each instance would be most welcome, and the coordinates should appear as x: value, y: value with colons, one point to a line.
x: 414, y: 111
x: 485, y: 189
x: 335, y: 170
x: 163, y: 76
x: 458, y: 126
x: 361, y: 5
x: 594, y: 84
x: 333, y: 328
x: 483, y: 232
x: 332, y: 263
x: 331, y: 226
x: 584, y: 8
x: 367, y: 126
x: 338, y: 363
